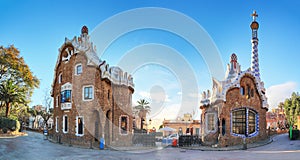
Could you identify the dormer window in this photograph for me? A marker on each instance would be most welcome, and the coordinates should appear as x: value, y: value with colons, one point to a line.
x: 78, y: 69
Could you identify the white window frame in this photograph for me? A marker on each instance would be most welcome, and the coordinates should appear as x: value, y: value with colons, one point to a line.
x: 56, y: 124
x: 65, y: 124
x: 76, y: 71
x: 93, y: 92
x: 207, y: 122
x: 59, y: 78
x: 77, y: 126
x: 120, y: 129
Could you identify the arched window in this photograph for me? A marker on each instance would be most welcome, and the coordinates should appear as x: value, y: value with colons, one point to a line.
x: 65, y: 124
x: 56, y: 124
x: 79, y: 126
x: 242, y: 91
x: 243, y: 122
x: 60, y: 78
x: 248, y: 92
x: 223, y: 126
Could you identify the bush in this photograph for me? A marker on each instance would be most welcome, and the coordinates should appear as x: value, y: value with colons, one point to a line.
x: 9, y: 124
x: 4, y: 130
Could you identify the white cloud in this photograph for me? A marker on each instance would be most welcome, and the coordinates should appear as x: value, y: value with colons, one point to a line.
x: 179, y: 93
x: 278, y: 93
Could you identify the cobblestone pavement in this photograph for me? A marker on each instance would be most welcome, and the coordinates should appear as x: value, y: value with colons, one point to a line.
x: 34, y: 147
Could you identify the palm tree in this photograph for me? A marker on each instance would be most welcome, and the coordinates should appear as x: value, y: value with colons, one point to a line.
x: 10, y: 94
x: 142, y: 109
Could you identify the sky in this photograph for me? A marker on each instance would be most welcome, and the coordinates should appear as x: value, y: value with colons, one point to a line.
x: 177, y: 69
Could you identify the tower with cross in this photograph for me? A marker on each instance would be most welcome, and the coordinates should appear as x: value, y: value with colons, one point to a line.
x: 254, y: 58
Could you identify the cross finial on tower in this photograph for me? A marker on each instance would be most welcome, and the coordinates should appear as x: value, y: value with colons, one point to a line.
x: 254, y: 15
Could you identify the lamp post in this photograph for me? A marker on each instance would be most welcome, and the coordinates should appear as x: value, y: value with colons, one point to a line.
x: 148, y: 124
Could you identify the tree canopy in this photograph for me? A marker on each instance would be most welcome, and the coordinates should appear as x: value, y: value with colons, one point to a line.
x: 16, y: 79
x: 142, y: 109
x: 292, y: 108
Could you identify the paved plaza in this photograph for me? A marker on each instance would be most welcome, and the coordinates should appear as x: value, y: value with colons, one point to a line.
x: 34, y: 147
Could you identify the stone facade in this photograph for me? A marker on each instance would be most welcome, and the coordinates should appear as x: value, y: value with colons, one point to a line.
x: 186, y: 126
x: 92, y: 101
x: 236, y: 110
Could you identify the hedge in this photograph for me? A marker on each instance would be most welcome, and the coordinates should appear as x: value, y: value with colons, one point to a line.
x: 9, y: 123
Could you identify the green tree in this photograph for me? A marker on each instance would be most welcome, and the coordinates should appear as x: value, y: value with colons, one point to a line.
x: 142, y: 109
x: 11, y: 94
x: 292, y: 108
x: 16, y: 79
x: 13, y: 66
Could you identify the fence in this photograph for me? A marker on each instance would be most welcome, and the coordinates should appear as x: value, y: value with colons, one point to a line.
x: 188, y: 140
x: 143, y: 139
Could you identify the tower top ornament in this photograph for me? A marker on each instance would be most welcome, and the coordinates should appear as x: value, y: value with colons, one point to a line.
x: 254, y: 25
x: 254, y: 15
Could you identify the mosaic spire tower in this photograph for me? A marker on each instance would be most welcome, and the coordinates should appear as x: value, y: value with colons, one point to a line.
x: 254, y: 58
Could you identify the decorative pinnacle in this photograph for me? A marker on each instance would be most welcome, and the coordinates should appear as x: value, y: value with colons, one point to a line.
x: 254, y: 15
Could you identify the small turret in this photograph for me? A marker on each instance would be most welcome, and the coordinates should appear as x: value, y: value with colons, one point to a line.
x: 84, y: 30
x: 233, y: 68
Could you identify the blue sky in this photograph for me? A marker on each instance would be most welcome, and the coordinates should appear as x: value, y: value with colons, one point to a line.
x: 38, y: 29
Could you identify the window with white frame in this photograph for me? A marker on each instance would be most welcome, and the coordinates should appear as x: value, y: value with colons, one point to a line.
x: 211, y: 120
x: 59, y: 78
x: 65, y: 124
x: 88, y: 93
x: 79, y: 126
x: 56, y: 124
x: 124, y: 124
x: 78, y: 69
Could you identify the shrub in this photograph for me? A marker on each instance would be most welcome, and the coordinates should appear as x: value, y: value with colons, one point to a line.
x: 9, y: 124
x: 4, y: 130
